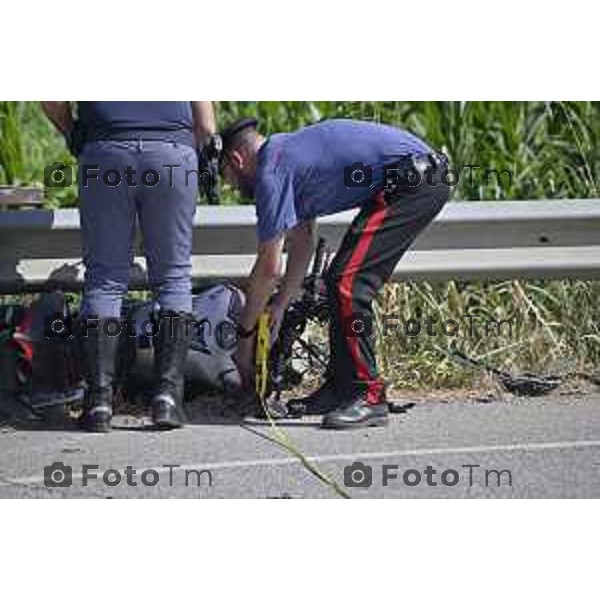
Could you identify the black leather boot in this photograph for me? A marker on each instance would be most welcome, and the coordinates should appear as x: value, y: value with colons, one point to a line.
x: 170, y: 350
x: 359, y: 411
x: 323, y: 400
x: 98, y: 350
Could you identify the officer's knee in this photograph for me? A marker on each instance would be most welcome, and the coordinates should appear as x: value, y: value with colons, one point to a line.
x: 107, y: 278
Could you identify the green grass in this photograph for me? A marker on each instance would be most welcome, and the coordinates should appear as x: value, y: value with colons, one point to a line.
x: 551, y: 148
x: 552, y: 151
x: 554, y: 327
x: 11, y: 146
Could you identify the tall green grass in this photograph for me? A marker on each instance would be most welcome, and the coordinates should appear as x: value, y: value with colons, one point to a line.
x: 552, y: 151
x: 551, y: 148
x: 554, y: 327
x: 11, y: 144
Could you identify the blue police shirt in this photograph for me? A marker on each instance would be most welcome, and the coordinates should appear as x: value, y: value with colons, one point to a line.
x: 303, y: 175
x: 164, y: 121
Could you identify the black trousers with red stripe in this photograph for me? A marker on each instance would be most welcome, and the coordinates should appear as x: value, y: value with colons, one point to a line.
x: 378, y: 237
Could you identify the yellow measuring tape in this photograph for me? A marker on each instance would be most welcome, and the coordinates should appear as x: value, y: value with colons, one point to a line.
x: 262, y: 355
x: 263, y: 340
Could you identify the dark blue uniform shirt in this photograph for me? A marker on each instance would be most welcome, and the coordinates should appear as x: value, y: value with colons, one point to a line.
x: 162, y: 121
x: 301, y: 175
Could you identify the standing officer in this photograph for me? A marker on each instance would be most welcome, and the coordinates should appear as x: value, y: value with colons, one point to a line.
x: 322, y: 169
x: 121, y: 147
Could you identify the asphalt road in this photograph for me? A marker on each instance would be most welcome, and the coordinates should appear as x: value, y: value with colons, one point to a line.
x: 526, y: 448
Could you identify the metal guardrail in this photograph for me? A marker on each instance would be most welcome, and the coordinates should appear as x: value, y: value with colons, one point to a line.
x: 40, y: 249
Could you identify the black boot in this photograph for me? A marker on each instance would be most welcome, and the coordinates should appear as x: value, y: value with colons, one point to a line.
x: 98, y: 350
x: 359, y: 411
x: 325, y: 399
x: 170, y: 350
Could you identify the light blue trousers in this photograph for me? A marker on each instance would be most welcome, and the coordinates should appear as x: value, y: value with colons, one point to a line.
x: 109, y: 215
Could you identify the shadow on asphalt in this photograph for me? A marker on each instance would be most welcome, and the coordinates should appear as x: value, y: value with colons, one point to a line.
x: 60, y: 419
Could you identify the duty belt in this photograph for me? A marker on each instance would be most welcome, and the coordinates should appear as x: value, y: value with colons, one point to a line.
x: 408, y: 166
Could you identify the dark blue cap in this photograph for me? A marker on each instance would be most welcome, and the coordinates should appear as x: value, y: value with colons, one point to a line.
x: 229, y: 133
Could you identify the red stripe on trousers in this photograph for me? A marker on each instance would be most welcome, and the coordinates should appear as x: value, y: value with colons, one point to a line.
x: 345, y: 292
